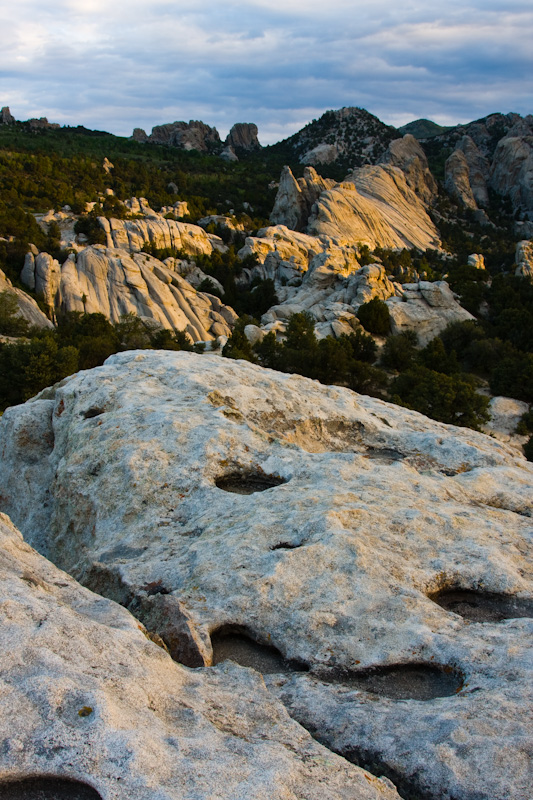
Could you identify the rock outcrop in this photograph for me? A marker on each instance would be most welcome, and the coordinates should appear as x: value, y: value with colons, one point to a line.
x: 295, y: 198
x: 524, y: 258
x: 426, y: 308
x: 133, y: 234
x: 27, y: 307
x: 243, y: 136
x: 374, y: 206
x: 512, y: 172
x: 115, y: 282
x: 457, y: 179
x: 386, y: 556
x: 6, y: 117
x: 193, y: 135
x: 89, y: 701
x: 407, y: 154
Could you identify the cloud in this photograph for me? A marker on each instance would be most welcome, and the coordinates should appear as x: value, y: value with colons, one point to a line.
x: 277, y: 63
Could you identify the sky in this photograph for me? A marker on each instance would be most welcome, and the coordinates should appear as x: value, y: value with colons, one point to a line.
x: 119, y: 64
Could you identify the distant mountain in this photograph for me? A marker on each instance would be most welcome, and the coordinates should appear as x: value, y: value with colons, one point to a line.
x: 423, y: 129
x: 349, y: 137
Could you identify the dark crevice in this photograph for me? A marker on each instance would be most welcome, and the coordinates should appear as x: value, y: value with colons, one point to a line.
x: 235, y: 643
x: 400, y: 681
x: 94, y: 411
x: 286, y: 546
x: 248, y: 482
x: 479, y: 606
x: 47, y: 788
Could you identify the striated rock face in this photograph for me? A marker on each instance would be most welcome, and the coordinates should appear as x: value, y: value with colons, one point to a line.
x: 457, y: 179
x: 114, y: 282
x: 243, y: 136
x: 193, y: 135
x: 86, y: 696
x: 28, y: 308
x: 374, y: 206
x: 295, y: 198
x: 512, y: 172
x: 524, y: 258
x: 207, y: 494
x: 132, y: 234
x: 478, y: 170
x: 408, y: 155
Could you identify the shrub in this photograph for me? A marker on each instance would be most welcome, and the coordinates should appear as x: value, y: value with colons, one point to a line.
x: 374, y: 317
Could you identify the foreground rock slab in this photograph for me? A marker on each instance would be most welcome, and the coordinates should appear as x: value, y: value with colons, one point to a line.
x: 86, y: 696
x: 215, y: 499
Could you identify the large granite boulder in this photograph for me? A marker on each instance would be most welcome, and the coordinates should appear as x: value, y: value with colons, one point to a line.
x: 512, y: 172
x: 387, y: 557
x: 92, y: 708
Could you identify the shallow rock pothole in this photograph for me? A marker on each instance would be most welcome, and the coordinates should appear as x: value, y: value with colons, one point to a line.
x: 47, y: 789
x: 402, y: 681
x: 94, y: 411
x: 479, y: 606
x: 235, y: 645
x: 248, y: 482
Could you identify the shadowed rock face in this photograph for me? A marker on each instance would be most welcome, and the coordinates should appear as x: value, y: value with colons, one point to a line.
x: 381, y: 507
x: 243, y: 136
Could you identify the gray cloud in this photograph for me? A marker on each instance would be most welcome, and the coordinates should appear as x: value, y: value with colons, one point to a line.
x: 277, y: 63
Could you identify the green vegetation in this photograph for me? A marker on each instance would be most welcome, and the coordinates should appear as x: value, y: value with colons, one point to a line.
x: 80, y: 341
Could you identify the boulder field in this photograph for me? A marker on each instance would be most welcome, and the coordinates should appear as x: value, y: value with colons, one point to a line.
x: 373, y: 564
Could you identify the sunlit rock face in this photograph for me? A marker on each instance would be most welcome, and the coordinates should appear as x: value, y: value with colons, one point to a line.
x: 27, y: 307
x: 524, y: 258
x: 115, y: 282
x: 92, y: 708
x: 407, y: 154
x: 216, y: 498
x: 375, y: 205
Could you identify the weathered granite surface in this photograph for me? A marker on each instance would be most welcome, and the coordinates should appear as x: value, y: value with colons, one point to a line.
x: 118, y: 476
x: 87, y: 696
x: 114, y: 282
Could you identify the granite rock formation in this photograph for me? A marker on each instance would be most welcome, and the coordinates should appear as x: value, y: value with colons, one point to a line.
x: 115, y: 282
x: 193, y: 135
x: 408, y: 155
x: 88, y: 697
x: 243, y: 136
x: 6, y: 117
x: 387, y: 557
x: 524, y: 258
x: 27, y: 307
x: 373, y: 206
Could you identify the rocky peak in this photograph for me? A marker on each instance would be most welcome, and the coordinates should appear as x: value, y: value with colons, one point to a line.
x: 350, y: 136
x: 243, y: 136
x: 6, y: 117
